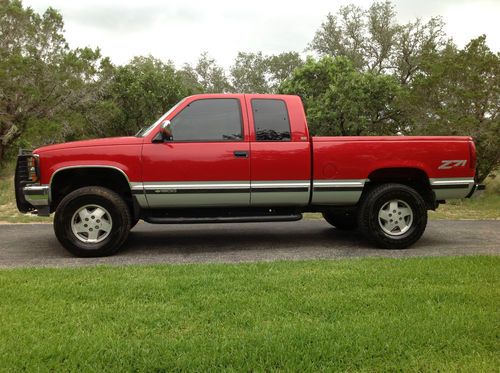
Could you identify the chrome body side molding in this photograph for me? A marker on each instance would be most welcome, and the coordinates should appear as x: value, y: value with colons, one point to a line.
x: 137, y: 190
x: 280, y: 193
x: 449, y: 188
x: 247, y: 193
x: 195, y: 194
x: 337, y: 192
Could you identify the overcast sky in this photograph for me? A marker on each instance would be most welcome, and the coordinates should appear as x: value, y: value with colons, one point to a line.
x: 181, y: 30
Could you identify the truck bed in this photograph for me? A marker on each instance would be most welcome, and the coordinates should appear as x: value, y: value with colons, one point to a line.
x: 343, y: 165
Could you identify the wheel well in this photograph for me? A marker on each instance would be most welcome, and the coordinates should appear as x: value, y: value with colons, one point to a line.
x: 412, y: 177
x: 66, y: 181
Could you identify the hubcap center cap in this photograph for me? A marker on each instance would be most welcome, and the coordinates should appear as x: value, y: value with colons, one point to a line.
x: 395, y: 217
x: 91, y: 224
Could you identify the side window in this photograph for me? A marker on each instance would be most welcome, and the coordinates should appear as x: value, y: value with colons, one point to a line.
x: 271, y: 120
x: 209, y: 120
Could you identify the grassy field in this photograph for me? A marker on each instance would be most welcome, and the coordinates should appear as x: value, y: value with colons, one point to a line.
x: 485, y: 207
x: 427, y: 314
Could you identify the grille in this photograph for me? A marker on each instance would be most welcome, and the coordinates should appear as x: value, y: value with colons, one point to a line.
x: 22, y: 179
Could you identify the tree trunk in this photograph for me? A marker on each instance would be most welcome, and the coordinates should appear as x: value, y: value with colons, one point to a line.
x: 2, y: 153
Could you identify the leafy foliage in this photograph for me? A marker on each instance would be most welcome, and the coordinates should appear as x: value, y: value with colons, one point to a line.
x: 41, y: 79
x: 207, y: 76
x: 136, y: 95
x: 373, y: 41
x: 256, y: 73
x: 458, y: 93
x: 343, y: 101
x: 249, y: 73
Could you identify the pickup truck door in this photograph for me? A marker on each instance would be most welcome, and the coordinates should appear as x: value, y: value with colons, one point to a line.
x: 280, y: 151
x: 207, y: 161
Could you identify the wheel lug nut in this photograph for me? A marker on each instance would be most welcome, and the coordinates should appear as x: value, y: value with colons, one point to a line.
x: 85, y: 225
x: 96, y: 227
x: 390, y: 214
x: 97, y: 221
x: 93, y: 217
x: 90, y: 229
x: 86, y: 219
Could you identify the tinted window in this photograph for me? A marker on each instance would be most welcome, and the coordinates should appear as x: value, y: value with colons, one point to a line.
x: 271, y: 120
x: 208, y: 120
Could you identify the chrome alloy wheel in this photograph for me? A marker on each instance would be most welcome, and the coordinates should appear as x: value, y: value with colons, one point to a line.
x: 395, y: 217
x: 91, y: 224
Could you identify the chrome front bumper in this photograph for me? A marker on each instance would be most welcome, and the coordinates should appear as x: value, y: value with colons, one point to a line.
x: 38, y: 197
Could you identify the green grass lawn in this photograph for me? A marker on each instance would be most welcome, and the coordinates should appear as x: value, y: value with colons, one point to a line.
x: 425, y: 314
x: 484, y: 207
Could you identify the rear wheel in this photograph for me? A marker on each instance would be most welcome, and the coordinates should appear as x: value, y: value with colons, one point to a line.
x: 134, y: 222
x: 92, y: 221
x: 393, y: 216
x: 343, y: 222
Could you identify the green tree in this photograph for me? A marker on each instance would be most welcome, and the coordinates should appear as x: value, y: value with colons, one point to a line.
x: 136, y: 95
x: 206, y: 76
x: 340, y: 100
x: 373, y: 41
x: 257, y: 73
x: 414, y: 41
x: 189, y: 78
x: 343, y: 34
x: 458, y: 93
x: 280, y: 67
x: 41, y: 79
x: 248, y: 73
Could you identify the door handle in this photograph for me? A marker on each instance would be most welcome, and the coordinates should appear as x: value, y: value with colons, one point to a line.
x: 240, y: 154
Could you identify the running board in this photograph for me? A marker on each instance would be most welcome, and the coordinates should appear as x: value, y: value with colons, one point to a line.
x: 221, y: 219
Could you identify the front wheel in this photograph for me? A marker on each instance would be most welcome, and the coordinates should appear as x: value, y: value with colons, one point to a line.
x: 393, y: 216
x: 92, y: 221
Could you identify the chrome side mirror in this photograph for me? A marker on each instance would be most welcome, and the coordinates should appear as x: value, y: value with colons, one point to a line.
x: 166, y: 130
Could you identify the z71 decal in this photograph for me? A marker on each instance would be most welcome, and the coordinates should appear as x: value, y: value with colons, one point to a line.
x: 446, y: 165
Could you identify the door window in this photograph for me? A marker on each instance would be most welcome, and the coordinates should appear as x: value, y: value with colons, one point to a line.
x: 209, y: 120
x: 270, y: 120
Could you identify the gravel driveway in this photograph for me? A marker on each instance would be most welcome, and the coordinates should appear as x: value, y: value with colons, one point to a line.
x: 35, y: 244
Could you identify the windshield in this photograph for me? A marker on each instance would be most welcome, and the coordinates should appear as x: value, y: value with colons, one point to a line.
x: 146, y: 130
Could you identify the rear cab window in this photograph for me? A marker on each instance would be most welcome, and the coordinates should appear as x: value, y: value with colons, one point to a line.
x: 271, y: 121
x: 217, y: 119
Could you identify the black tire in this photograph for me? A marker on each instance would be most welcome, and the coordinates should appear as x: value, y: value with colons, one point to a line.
x: 376, y: 199
x: 343, y: 222
x: 93, y: 195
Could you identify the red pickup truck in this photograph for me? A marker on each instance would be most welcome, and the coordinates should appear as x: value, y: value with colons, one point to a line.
x: 241, y: 158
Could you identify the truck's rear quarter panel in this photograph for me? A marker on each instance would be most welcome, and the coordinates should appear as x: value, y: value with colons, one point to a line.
x: 342, y: 165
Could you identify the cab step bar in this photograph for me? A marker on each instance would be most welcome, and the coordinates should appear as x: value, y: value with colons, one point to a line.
x: 220, y: 219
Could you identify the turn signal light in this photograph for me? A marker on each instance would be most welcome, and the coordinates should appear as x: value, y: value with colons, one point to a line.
x: 32, y: 173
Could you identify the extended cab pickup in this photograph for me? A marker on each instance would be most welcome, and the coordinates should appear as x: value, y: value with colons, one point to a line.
x: 241, y: 158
